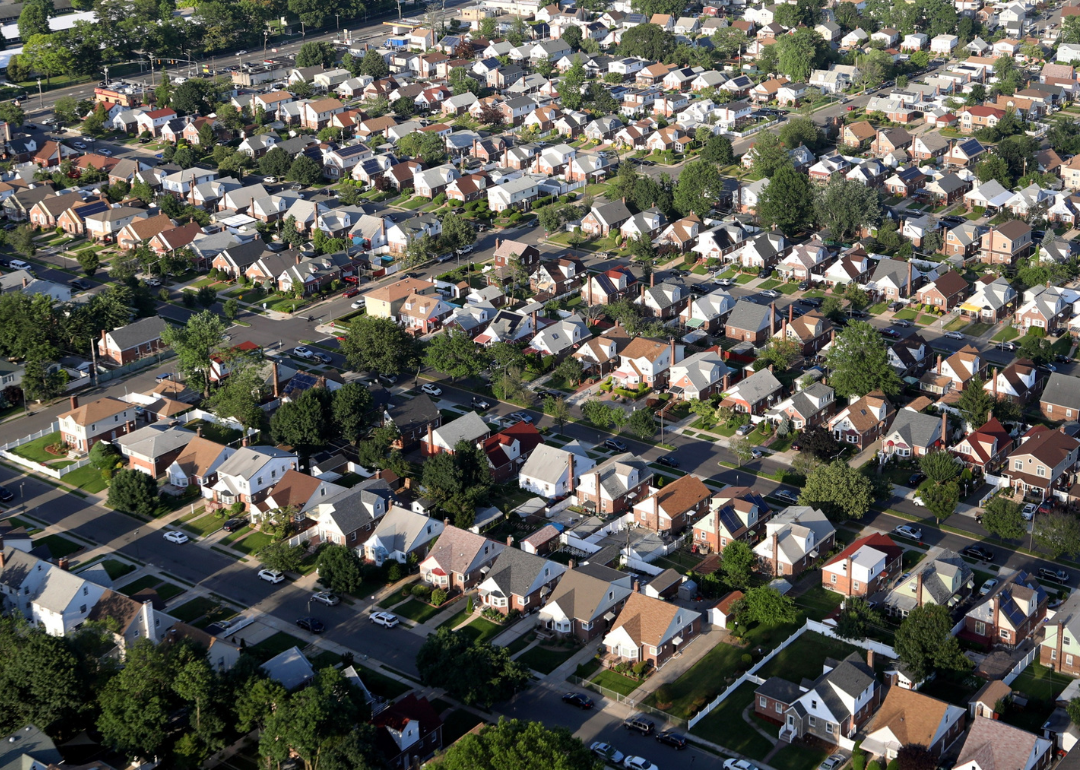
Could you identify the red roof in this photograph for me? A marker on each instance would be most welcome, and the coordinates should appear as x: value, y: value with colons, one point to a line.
x: 164, y: 113
x: 877, y: 541
x: 525, y: 434
x: 726, y: 602
x: 985, y: 112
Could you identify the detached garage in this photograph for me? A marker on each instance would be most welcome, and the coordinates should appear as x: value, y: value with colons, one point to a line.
x: 722, y: 611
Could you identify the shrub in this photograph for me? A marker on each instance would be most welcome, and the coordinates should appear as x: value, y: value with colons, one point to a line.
x: 421, y: 590
x: 747, y: 660
x: 438, y: 596
x: 873, y: 765
x: 858, y: 760
x: 439, y: 199
x: 395, y: 573
x: 664, y: 694
x: 512, y: 615
x: 469, y: 606
x: 640, y: 668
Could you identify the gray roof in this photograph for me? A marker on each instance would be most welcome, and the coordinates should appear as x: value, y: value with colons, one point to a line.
x: 758, y: 386
x: 779, y: 689
x: 155, y: 440
x: 915, y: 428
x: 248, y: 460
x: 1062, y: 390
x: 139, y: 333
x: 469, y: 428
x: 612, y: 214
x: 620, y: 465
x: 893, y: 269
x: 547, y: 463
x: 29, y: 743
x: 851, y: 676
x: 414, y: 413
x: 400, y: 528
x: 359, y: 506
x: 937, y: 569
x: 516, y: 572
x: 582, y: 591
x: 749, y: 316
x: 290, y: 669
x: 459, y: 551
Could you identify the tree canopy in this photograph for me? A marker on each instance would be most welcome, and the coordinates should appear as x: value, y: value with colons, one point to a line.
x: 859, y: 362
x: 517, y: 745
x: 839, y: 490
x: 475, y: 674
x: 925, y: 642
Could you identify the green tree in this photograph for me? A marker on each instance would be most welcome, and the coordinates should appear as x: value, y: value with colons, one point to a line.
x: 516, y: 744
x: 924, y: 642
x: 742, y: 449
x: 839, y: 490
x: 314, y: 54
x: 846, y: 207
x: 787, y: 202
x: 975, y: 403
x: 457, y: 232
x: 340, y: 569
x: 304, y: 422
x: 231, y: 309
x: 800, y: 53
x: 558, y: 410
x: 350, y: 405
x: 1057, y: 533
x: 304, y: 170
x: 282, y: 557
x: 453, y: 353
x: 857, y: 618
x: 859, y: 363
x: 718, y: 150
x: 374, y: 65
x: 799, y: 131
x: 275, y: 163
x: 427, y: 147
x: 1003, y: 517
x: 642, y: 423
x: 914, y: 756
x: 993, y: 167
x: 104, y: 455
x: 476, y: 674
x: 34, y: 19
x: 43, y: 683
x: 699, y: 184
x: 194, y: 344
x: 940, y: 499
x: 48, y: 55
x: 41, y: 379
x: 647, y: 41
x: 737, y: 563
x: 133, y: 491
x: 780, y: 353
x: 765, y: 606
x: 239, y: 396
x: 940, y: 466
x: 22, y: 240
x: 458, y: 482
x: 769, y: 155
x: 135, y: 703
x: 378, y: 345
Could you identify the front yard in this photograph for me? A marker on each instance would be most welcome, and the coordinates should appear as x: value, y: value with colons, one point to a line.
x: 725, y: 726
x: 35, y: 450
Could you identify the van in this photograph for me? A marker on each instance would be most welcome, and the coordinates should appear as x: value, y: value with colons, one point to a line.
x: 18, y: 264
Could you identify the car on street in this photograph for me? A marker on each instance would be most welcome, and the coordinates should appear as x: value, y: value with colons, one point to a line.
x: 725, y: 282
x: 918, y: 501
x: 978, y: 552
x: 954, y: 335
x: 738, y: 764
x: 234, y: 524
x: 479, y: 403
x: 745, y: 430
x: 176, y: 537
x: 431, y: 390
x: 164, y: 376
x: 1029, y: 511
x: 902, y: 323
x: 325, y: 597
x: 271, y: 575
x: 269, y: 180
x: 524, y: 417
x: 606, y: 752
x: 302, y: 352
x: 673, y: 739
x: 787, y: 495
x: 987, y: 586
x: 915, y: 479
x: 1054, y: 575
x: 389, y: 379
x: 770, y: 293
x: 615, y: 444
x: 467, y: 249
x: 833, y: 762
x: 890, y: 333
x: 757, y: 454
x: 907, y: 530
x: 638, y: 763
x: 1063, y: 359
x: 79, y: 145
x: 80, y: 284
x: 640, y: 724
x: 18, y: 264
x: 326, y: 358
x: 358, y: 304
x: 669, y: 461
x: 6, y: 495
x: 384, y: 619
x: 350, y: 292
x: 314, y: 625
x: 1010, y: 346
x: 812, y: 301
x: 579, y: 700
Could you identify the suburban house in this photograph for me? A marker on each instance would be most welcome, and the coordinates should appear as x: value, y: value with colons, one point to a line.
x: 906, y: 717
x: 945, y: 292
x: 1006, y: 243
x: 586, y: 601
x: 1044, y: 461
x: 46, y: 594
x: 1009, y: 614
x: 810, y: 406
x: 864, y: 421
x: 699, y: 376
x: 551, y: 471
x: 620, y: 480
x: 674, y: 507
x: 864, y: 567
x: 985, y: 448
x: 913, y: 434
x: 647, y: 362
x: 991, y: 743
x: 153, y: 448
x: 793, y: 539
x: 1060, y: 647
x: 942, y: 578
x: 132, y: 342
x: 1060, y: 399
x: 408, y: 731
x: 519, y: 581
x: 198, y: 465
x: 735, y: 513
x: 249, y: 474
x: 399, y: 534
x: 458, y: 560
x: 754, y: 395
x: 651, y: 630
x: 750, y: 322
x: 510, y: 448
x: 105, y: 419
x: 413, y: 419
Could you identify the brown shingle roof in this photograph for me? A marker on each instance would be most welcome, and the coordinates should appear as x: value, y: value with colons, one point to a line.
x: 294, y: 489
x: 400, y: 290
x: 198, y: 456
x: 681, y: 495
x: 911, y: 716
x: 646, y: 619
x: 146, y: 228
x: 644, y: 348
x: 96, y: 411
x: 995, y: 745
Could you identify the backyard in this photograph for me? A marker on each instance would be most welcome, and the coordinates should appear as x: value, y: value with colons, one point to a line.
x: 1041, y: 686
x: 805, y: 657
x: 818, y: 602
x: 724, y: 725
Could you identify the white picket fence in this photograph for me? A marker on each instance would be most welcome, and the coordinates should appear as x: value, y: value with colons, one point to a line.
x: 55, y: 473
x: 751, y: 675
x: 55, y: 426
x: 1023, y: 663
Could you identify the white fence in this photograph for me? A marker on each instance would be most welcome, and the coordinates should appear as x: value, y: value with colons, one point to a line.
x: 55, y: 473
x: 32, y: 437
x: 753, y: 130
x: 639, y: 565
x: 751, y: 675
x: 1021, y: 665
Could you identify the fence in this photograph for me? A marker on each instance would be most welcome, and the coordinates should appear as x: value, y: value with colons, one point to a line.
x: 753, y: 129
x: 640, y: 565
x: 55, y: 473
x: 1021, y: 665
x: 618, y: 697
x: 134, y: 366
x: 53, y: 428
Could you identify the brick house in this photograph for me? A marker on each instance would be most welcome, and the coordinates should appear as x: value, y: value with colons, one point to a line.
x: 864, y: 567
x: 408, y: 731
x: 793, y: 539
x: 1009, y: 614
x: 647, y: 362
x: 942, y: 578
x: 469, y: 428
x: 1006, y: 243
x: 457, y: 560
x: 754, y: 395
x: 105, y: 419
x: 1044, y: 461
x: 620, y: 479
x: 651, y: 630
x: 751, y: 322
x: 508, y: 449
x: 735, y: 513
x: 153, y: 448
x: 945, y: 293
x: 674, y: 507
x: 984, y: 449
x: 861, y: 423
x: 584, y: 600
x: 248, y: 475
x: 132, y: 342
x: 519, y: 581
x: 989, y: 736
x: 414, y: 420
x: 1060, y: 398
x: 908, y: 716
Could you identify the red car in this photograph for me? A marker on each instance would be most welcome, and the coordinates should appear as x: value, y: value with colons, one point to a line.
x: 350, y: 279
x: 350, y: 292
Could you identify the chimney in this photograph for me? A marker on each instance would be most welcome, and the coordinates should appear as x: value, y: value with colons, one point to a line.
x: 74, y: 402
x: 994, y: 370
x: 597, y: 490
x: 509, y: 541
x: 772, y: 319
x: 637, y: 586
x: 446, y: 522
x: 870, y: 658
x: 832, y: 335
x: 590, y: 281
x: 642, y: 290
x: 25, y: 282
x: 918, y: 589
x: 298, y: 258
x: 570, y: 467
x: 535, y: 327
x: 770, y: 367
x: 1, y: 551
x: 724, y: 383
x: 944, y: 428
x: 198, y: 432
x: 671, y: 343
x: 652, y: 279
x: 244, y: 441
x: 1060, y: 636
x: 938, y: 370
x: 775, y: 556
x: 570, y: 565
x: 276, y: 386
x: 791, y: 313
x: 783, y: 329
x: 63, y: 563
x: 997, y: 609
x: 430, y: 439
x: 909, y: 278
x: 656, y: 508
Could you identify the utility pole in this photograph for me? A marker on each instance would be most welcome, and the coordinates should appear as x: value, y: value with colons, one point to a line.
x: 41, y: 100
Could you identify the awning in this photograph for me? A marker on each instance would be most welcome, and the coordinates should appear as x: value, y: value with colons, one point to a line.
x: 609, y: 616
x: 677, y: 641
x: 971, y: 308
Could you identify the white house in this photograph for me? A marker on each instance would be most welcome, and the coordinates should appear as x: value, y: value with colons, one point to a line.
x: 549, y: 470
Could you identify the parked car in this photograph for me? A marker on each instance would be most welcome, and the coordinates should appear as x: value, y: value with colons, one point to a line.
x: 812, y: 301
x: 902, y: 324
x: 1029, y: 511
x: 271, y: 575
x: 579, y: 700
x: 890, y: 333
x: 908, y: 531
x: 1054, y: 575
x: 234, y: 524
x: 314, y: 625
x: 1063, y: 359
x: 770, y: 293
x: 384, y: 619
x: 915, y: 479
x: 6, y: 495
x: 638, y: 763
x: 978, y: 552
x: 673, y: 739
x: 988, y: 586
x: 479, y: 403
x: 833, y: 762
x: 757, y: 454
x: 615, y: 444
x: 639, y: 724
x: 431, y: 390
x: 302, y: 352
x: 764, y: 272
x: 1010, y: 346
x: 389, y: 379
x: 606, y: 752
x: 739, y: 764
x: 725, y: 282
x: 468, y: 249
x: 358, y: 304
x: 786, y: 495
x: 524, y: 417
x: 80, y: 284
x: 176, y: 537
x: 669, y: 461
x: 325, y: 597
x: 164, y: 376
x: 326, y: 358
x: 745, y: 430
x: 804, y: 285
x: 18, y: 264
x: 350, y: 292
x: 954, y: 335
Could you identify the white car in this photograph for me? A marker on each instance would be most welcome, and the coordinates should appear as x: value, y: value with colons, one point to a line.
x: 606, y: 752
x: 325, y: 597
x: 638, y: 763
x: 738, y: 764
x: 271, y: 575
x: 176, y: 537
x: 270, y: 180
x: 906, y: 531
x: 107, y: 153
x: 18, y: 264
x: 467, y: 249
x: 988, y: 586
x: 770, y: 293
x: 80, y: 145
x: 954, y: 335
x: 431, y: 390
x: 1029, y: 511
x: 918, y: 501
x: 302, y: 352
x: 357, y: 305
x: 384, y: 619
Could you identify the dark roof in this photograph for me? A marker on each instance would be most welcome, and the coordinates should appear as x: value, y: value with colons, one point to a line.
x: 1062, y: 390
x: 515, y: 571
x: 414, y: 413
x: 779, y: 689
x: 245, y: 254
x: 138, y: 333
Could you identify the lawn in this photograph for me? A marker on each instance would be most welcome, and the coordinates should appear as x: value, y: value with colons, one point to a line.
x: 482, y: 630
x: 58, y: 546
x: 189, y: 612
x: 957, y: 324
x: 724, y: 725
x: 397, y: 597
x: 878, y: 308
x: 977, y: 329
x: 818, y: 602
x: 117, y: 569
x: 146, y: 581
x: 623, y: 685
x: 793, y: 757
x: 415, y: 203
x: 1037, y: 682
x: 544, y: 660
x: 87, y: 478
x: 519, y: 644
x: 772, y: 283
x: 1006, y: 334
x: 275, y: 645
x: 416, y: 610
x: 215, y: 432
x: 381, y: 685
x: 234, y: 536
x: 253, y: 543
x: 35, y: 450
x: 907, y: 314
x: 205, y: 525
x: 975, y: 213
x: 167, y: 591
x: 804, y: 657
x: 745, y: 278
x: 457, y: 723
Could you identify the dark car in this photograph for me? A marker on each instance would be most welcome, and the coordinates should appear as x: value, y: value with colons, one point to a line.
x: 326, y: 358
x: 669, y: 460
x: 640, y: 724
x: 6, y: 495
x: 579, y: 700
x: 978, y: 552
x: 812, y: 301
x: 314, y: 625
x: 891, y: 333
x: 764, y: 272
x: 916, y: 479
x: 614, y: 443
x: 804, y: 285
x: 1054, y: 575
x: 668, y: 738
x: 1063, y: 359
x: 234, y: 524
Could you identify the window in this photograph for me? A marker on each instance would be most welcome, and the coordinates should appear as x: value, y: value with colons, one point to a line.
x: 1041, y: 470
x: 833, y: 577
x: 1068, y: 660
x: 82, y: 609
x: 829, y: 727
x: 1053, y: 653
x: 1018, y: 465
x: 980, y: 628
x: 813, y: 721
x: 779, y: 708
x: 1003, y: 633
x: 852, y: 438
x: 85, y: 591
x: 855, y: 587
x: 258, y: 480
x: 763, y: 701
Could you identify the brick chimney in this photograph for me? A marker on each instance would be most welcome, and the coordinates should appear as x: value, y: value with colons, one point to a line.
x: 509, y: 541
x: 642, y: 290
x: 198, y: 432
x: 244, y: 441
x: 1, y: 551
x: 1060, y: 636
x: 570, y: 468
x: 597, y: 489
x: 791, y: 313
x: 994, y: 617
x: 63, y: 563
x: 570, y: 565
x: 535, y: 327
x: 637, y: 586
x: 832, y: 335
x: 25, y: 282
x: 446, y: 522
x: 671, y: 344
x: 944, y: 428
x: 938, y: 370
x: 589, y: 279
x: 772, y: 319
x: 298, y: 258
x: 277, y: 388
x: 724, y: 382
x: 74, y: 402
x: 431, y: 439
x: 994, y: 370
x: 783, y: 329
x: 652, y: 279
x: 775, y: 554
x: 656, y: 509
x: 870, y: 658
x: 909, y: 278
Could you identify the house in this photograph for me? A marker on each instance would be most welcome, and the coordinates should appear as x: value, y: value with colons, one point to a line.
x: 601, y: 220
x: 651, y: 630
x: 613, y: 485
x: 316, y: 115
x: 946, y: 189
x: 942, y: 578
x: 793, y: 539
x: 551, y: 472
x: 985, y: 448
x: 913, y: 434
x: 1017, y: 382
x: 892, y: 279
x: 1006, y: 243
x: 132, y: 342
x: 954, y: 372
x: 105, y: 419
x: 607, y: 287
x: 991, y: 743
x: 586, y: 601
x: 387, y: 301
x: 864, y: 567
x: 103, y: 226
x: 647, y: 362
x: 48, y: 595
x: 800, y: 263
x: 699, y: 376
x: 508, y: 449
x: 674, y: 507
x: 862, y: 422
x: 890, y: 140
x: 1060, y: 648
x: 754, y: 395
x: 300, y: 493
x: 469, y: 428
x: 811, y: 332
x: 665, y: 301
x: 993, y: 299
x: 153, y: 448
x: 1060, y: 399
x: 708, y: 312
x: 735, y: 513
x: 908, y: 717
x: 458, y: 560
x: 424, y: 314
x: 400, y: 534
x: 1044, y: 461
x: 751, y: 322
x: 198, y: 464
x: 1045, y: 307
x: 248, y: 475
x: 1009, y: 614
x: 345, y: 517
x: 519, y: 581
x: 810, y: 406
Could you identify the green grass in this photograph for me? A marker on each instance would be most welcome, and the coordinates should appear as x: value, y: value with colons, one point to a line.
x: 907, y: 314
x: 87, y: 478
x: 234, y: 536
x: 957, y: 324
x: 457, y: 723
x: 878, y: 308
x: 397, y: 597
x: 1006, y: 334
x: 325, y: 659
x: 117, y: 569
x: 926, y: 319
x: 805, y: 657
x: 59, y: 546
x: 544, y: 660
x: 724, y: 725
x: 623, y: 685
x: 188, y: 612
x: 215, y: 432
x: 745, y: 278
x: 146, y: 581
x: 796, y: 757
x: 1040, y: 683
x: 418, y: 611
x: 818, y: 602
x: 977, y: 329
x: 481, y: 630
x: 379, y: 684
x: 275, y: 645
x: 519, y: 644
x: 205, y: 525
x: 453, y: 621
x: 253, y: 543
x: 167, y: 591
x: 415, y: 203
x: 772, y: 283
x: 35, y: 450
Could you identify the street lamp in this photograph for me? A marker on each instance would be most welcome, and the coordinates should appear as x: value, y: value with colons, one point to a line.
x: 41, y: 102
x: 337, y: 21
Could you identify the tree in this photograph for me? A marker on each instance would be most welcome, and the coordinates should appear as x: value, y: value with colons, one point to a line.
x: 34, y: 19
x: 570, y: 370
x: 856, y: 619
x: 194, y: 96
x: 699, y: 185
x: 779, y: 352
x: 458, y: 482
x: 839, y: 490
x: 800, y: 131
x: 427, y: 147
x: 194, y: 344
x: 572, y: 37
x: 800, y: 53
x: 304, y: 170
x: 242, y: 391
x: 66, y: 109
x: 340, y: 569
x: 374, y: 65
x: 915, y: 756
x: 769, y: 155
x: 453, y: 353
x: 940, y: 499
x: 846, y: 207
x: 558, y: 410
x: 276, y: 163
x: 642, y: 423
x: 975, y: 403
x: 1057, y: 533
x: 859, y: 362
x: 135, y: 703
x: 43, y: 683
x: 378, y: 345
x: 787, y: 202
x: 475, y: 674
x: 766, y: 606
x: 718, y: 150
x: 597, y: 412
x: 22, y: 240
x: 939, y: 466
x: 313, y: 54
x: 41, y: 380
x: 282, y: 557
x: 1003, y: 517
x: 647, y: 41
x: 104, y: 455
x: 737, y: 563
x: 48, y: 55
x: 350, y: 405
x: 1072, y: 708
x: 924, y: 641
x: 742, y: 449
x: 805, y: 463
x: 517, y: 744
x: 133, y: 491
x: 304, y: 422
x: 457, y: 232
x: 993, y: 167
